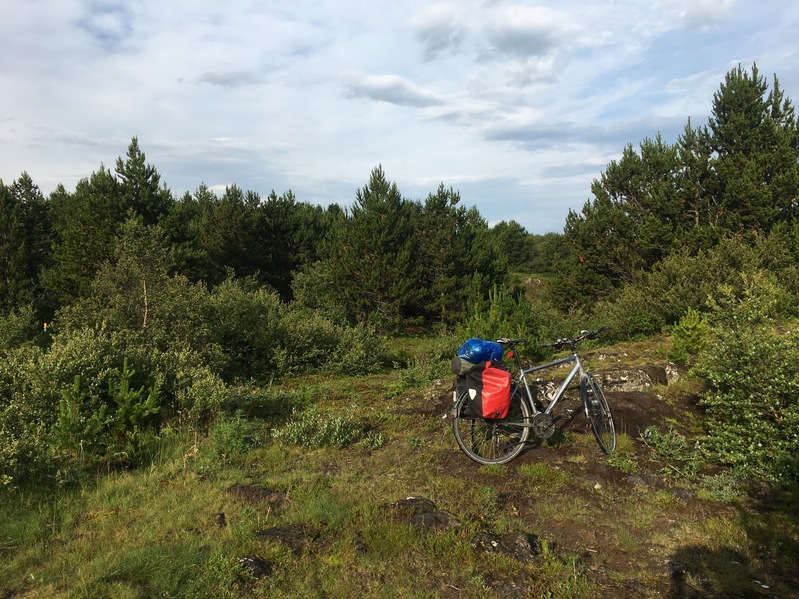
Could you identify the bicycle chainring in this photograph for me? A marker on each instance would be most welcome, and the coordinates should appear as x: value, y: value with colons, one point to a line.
x: 543, y: 426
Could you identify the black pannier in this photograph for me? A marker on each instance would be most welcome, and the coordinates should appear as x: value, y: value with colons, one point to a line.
x: 487, y: 386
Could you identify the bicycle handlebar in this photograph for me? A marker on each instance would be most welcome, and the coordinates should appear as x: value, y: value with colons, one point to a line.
x: 572, y: 341
x: 562, y: 342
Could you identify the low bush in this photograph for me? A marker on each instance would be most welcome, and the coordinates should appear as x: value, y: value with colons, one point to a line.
x: 659, y: 298
x: 17, y: 327
x: 752, y: 397
x: 508, y: 313
x: 245, y: 321
x: 690, y: 337
x: 233, y: 435
x: 682, y: 457
x: 314, y: 430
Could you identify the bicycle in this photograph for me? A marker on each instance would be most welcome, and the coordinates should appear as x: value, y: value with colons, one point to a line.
x: 489, y: 441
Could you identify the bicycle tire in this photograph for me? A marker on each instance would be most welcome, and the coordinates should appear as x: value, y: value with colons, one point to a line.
x: 492, y: 441
x: 598, y: 413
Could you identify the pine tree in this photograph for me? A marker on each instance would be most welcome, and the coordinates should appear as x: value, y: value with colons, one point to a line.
x: 633, y: 220
x: 11, y: 236
x: 739, y: 173
x: 292, y: 232
x: 230, y: 234
x: 85, y: 224
x: 755, y: 142
x: 372, y: 259
x: 516, y: 243
x: 25, y: 237
x: 702, y: 212
x: 461, y: 260
x: 140, y: 185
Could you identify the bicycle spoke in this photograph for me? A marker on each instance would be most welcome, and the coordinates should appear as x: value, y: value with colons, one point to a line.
x: 491, y: 441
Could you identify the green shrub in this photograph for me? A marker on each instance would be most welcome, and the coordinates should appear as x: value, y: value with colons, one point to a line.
x: 373, y: 440
x: 17, y: 327
x: 724, y: 486
x: 233, y: 435
x: 314, y: 430
x: 77, y: 433
x: 306, y: 340
x: 314, y: 290
x: 506, y: 313
x: 427, y: 361
x: 93, y: 431
x: 752, y: 397
x: 309, y: 341
x: 690, y: 337
x: 192, y: 392
x: 683, y: 457
x: 49, y: 424
x: 31, y: 384
x: 634, y: 313
x: 418, y: 374
x: 135, y: 293
x: 358, y: 351
x: 261, y: 338
x: 26, y: 456
x: 245, y: 323
x: 659, y: 298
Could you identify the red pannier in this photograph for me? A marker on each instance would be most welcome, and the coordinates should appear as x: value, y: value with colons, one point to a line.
x: 488, y: 388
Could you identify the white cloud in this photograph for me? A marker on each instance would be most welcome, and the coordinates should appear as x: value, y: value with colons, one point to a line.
x: 701, y: 14
x: 438, y: 27
x: 517, y: 104
x: 389, y: 88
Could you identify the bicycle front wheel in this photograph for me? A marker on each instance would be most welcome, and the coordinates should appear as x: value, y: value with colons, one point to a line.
x: 598, y: 413
x: 492, y: 441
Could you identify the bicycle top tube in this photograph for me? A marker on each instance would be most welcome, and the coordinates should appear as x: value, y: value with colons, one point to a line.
x: 558, y: 362
x: 570, y: 342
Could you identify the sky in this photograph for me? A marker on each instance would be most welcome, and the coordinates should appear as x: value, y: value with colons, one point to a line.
x: 516, y: 105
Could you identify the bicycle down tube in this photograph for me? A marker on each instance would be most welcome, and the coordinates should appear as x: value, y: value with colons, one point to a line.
x: 578, y: 367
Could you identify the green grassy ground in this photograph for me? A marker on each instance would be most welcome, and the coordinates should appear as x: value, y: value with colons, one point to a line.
x: 324, y: 525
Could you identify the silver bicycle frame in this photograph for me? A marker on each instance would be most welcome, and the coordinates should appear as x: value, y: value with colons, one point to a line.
x: 577, y: 369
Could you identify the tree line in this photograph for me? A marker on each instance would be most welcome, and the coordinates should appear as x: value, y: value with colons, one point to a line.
x: 157, y: 306
x: 736, y: 176
x: 385, y: 260
x: 398, y: 263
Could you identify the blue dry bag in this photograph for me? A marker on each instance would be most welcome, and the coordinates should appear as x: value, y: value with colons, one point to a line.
x: 480, y: 350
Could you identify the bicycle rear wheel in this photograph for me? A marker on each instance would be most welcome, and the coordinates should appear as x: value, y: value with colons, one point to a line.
x: 598, y: 413
x: 492, y: 441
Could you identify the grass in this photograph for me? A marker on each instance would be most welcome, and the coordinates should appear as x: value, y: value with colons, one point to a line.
x: 543, y: 477
x: 155, y: 531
